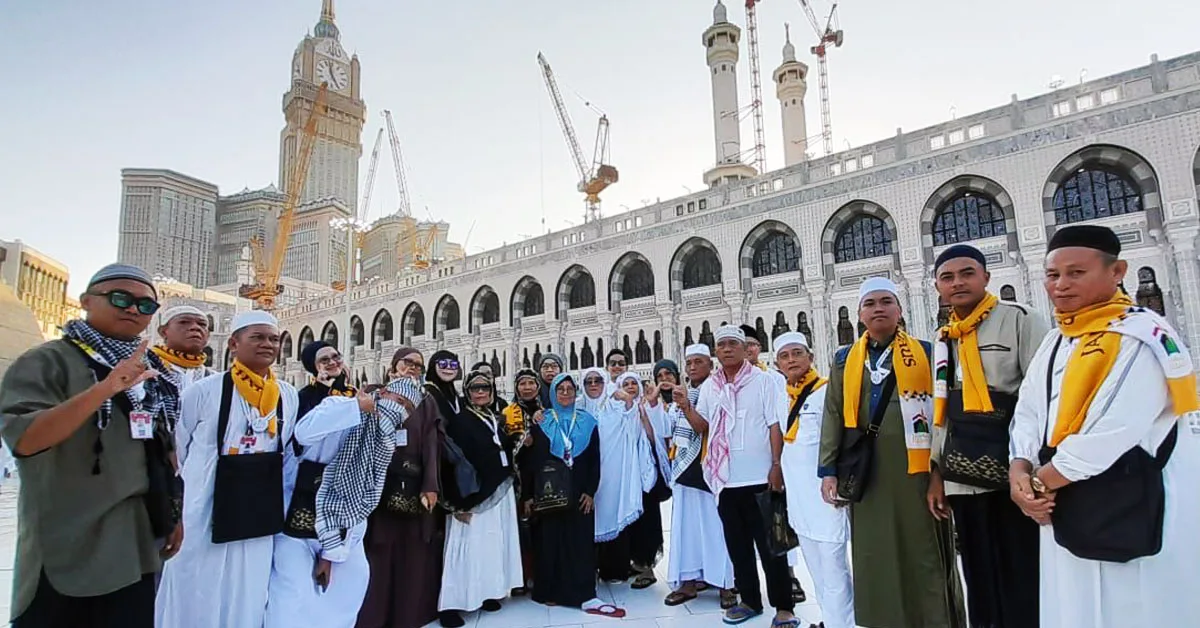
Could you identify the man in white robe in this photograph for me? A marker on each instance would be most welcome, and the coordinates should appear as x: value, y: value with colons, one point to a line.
x: 184, y: 332
x: 221, y: 585
x: 1123, y: 381
x: 823, y: 529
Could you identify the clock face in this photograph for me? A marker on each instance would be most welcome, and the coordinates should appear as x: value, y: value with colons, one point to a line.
x: 333, y: 49
x: 333, y: 73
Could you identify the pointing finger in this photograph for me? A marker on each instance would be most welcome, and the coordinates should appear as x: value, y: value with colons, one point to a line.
x: 141, y: 350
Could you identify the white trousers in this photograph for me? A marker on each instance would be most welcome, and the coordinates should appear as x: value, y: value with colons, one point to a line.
x: 828, y: 563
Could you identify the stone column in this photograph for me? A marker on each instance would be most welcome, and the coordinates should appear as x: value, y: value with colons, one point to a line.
x: 672, y: 343
x: 917, y: 314
x: 823, y: 341
x: 1185, y: 280
x: 1032, y: 261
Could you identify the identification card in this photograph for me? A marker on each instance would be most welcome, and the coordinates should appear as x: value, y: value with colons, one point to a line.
x: 1193, y: 421
x: 141, y: 425
x: 402, y: 438
x: 682, y: 442
x: 247, y: 444
x: 503, y: 460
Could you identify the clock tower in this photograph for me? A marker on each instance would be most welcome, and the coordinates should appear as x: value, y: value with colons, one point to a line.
x: 333, y: 169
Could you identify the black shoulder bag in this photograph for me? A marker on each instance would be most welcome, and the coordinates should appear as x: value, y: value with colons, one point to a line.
x: 301, y: 519
x: 1116, y: 516
x: 858, y: 449
x: 248, y: 490
x: 402, y: 485
x: 975, y: 451
x: 552, y: 487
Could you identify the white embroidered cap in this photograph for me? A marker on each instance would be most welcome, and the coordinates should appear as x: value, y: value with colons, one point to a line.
x: 877, y: 284
x: 697, y: 349
x: 788, y: 339
x: 180, y: 310
x: 253, y: 317
x: 726, y: 332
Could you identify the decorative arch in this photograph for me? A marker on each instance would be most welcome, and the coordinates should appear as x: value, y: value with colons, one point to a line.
x: 695, y: 264
x: 576, y: 289
x: 357, y: 332
x: 212, y: 324
x: 528, y: 299
x: 329, y: 333
x: 1149, y: 295
x: 632, y: 277
x: 485, y: 308
x: 1008, y: 292
x: 285, y: 349
x: 208, y: 354
x: 771, y: 248
x: 967, y: 207
x: 445, y: 315
x: 412, y: 322
x: 870, y: 220
x: 306, y: 338
x: 1099, y: 181
x: 381, y: 328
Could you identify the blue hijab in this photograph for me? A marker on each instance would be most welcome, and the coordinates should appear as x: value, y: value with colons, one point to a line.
x: 567, y: 422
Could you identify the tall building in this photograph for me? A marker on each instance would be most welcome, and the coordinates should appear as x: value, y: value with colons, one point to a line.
x: 240, y: 217
x: 316, y: 250
x: 790, y: 86
x: 395, y: 244
x: 722, y: 41
x: 39, y: 281
x: 333, y: 169
x: 168, y: 223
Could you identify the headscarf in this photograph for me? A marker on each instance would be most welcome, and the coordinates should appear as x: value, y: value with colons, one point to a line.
x: 400, y: 354
x: 567, y: 423
x: 308, y: 355
x: 313, y: 394
x: 592, y: 405
x: 473, y: 377
x: 529, y: 406
x: 545, y: 394
x: 671, y: 367
x: 447, y: 397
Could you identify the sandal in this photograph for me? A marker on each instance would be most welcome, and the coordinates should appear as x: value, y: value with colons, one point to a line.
x: 740, y: 614
x: 606, y: 610
x: 702, y: 586
x: 644, y: 581
x: 679, y: 597
x: 787, y: 623
x: 729, y: 599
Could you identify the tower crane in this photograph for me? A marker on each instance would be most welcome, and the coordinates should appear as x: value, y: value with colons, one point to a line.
x: 398, y: 162
x: 366, y: 203
x: 594, y: 179
x: 266, y: 287
x: 830, y: 35
x: 756, y: 101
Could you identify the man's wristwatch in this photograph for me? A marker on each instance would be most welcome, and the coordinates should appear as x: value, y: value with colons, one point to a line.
x: 1038, y: 485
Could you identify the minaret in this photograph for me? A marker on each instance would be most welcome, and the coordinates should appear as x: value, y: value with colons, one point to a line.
x: 790, y: 86
x: 721, y: 41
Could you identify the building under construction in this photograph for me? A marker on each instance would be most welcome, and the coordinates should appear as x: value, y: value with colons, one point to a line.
x: 398, y: 244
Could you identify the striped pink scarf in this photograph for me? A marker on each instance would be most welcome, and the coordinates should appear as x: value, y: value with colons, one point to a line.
x: 716, y: 463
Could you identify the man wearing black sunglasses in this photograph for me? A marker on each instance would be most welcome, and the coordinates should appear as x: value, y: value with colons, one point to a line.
x: 87, y: 417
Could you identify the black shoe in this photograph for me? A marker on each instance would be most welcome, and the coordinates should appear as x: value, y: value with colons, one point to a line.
x: 798, y: 594
x: 451, y: 619
x: 490, y: 606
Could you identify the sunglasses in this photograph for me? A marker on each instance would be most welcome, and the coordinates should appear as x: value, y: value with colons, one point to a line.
x: 479, y: 388
x: 330, y: 359
x: 617, y: 363
x: 414, y: 365
x: 123, y: 300
x: 448, y: 364
x: 593, y: 381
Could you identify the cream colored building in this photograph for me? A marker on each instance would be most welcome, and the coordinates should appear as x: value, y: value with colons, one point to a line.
x: 396, y: 244
x: 40, y: 281
x: 167, y: 223
x: 240, y: 217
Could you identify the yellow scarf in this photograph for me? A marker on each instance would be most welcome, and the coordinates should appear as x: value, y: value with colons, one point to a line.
x: 261, y: 393
x: 976, y: 397
x: 179, y: 358
x: 794, y: 392
x: 1096, y: 353
x: 914, y: 382
x: 514, y: 419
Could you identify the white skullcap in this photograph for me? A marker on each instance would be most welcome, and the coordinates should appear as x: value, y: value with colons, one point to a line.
x: 788, y: 339
x: 726, y: 332
x: 180, y: 310
x: 697, y: 349
x: 877, y: 284
x: 253, y: 317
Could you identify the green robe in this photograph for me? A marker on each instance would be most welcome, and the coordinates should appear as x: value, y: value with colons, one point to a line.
x: 905, y: 573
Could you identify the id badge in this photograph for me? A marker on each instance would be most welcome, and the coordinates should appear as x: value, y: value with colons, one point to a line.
x: 503, y: 459
x: 141, y: 425
x: 402, y: 438
x: 682, y: 442
x: 1193, y: 421
x: 247, y: 444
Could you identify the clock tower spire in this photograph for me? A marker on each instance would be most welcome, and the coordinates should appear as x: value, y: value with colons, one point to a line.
x: 326, y: 27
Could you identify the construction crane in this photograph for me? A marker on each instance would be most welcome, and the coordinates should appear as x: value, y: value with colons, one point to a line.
x: 594, y: 179
x: 830, y: 34
x: 398, y: 162
x: 365, y: 207
x: 756, y: 101
x: 266, y: 287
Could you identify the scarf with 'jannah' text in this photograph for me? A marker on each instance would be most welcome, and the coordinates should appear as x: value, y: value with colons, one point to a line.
x: 179, y: 358
x: 810, y: 377
x: 976, y: 397
x: 1099, y: 329
x: 262, y: 393
x: 914, y: 383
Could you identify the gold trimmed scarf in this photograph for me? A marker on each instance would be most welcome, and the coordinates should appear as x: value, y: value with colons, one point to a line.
x: 976, y: 397
x: 261, y: 393
x: 914, y: 383
x: 179, y: 358
x: 794, y: 391
x: 1099, y: 329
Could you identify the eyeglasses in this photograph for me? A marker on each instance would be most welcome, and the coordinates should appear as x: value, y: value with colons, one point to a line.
x: 123, y: 300
x: 448, y: 364
x: 593, y: 381
x: 616, y: 363
x: 330, y: 359
x: 414, y: 365
x: 479, y: 388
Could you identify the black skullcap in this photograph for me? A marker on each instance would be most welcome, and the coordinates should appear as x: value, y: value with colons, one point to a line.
x: 959, y: 251
x: 752, y: 334
x: 308, y: 355
x: 1095, y: 237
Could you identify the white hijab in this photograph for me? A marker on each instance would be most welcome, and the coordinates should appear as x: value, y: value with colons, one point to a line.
x: 623, y: 446
x: 592, y: 405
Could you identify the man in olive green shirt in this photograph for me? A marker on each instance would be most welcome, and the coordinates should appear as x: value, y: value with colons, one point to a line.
x: 79, y: 414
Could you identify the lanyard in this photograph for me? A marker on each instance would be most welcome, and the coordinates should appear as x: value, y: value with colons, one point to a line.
x: 879, y: 371
x: 566, y: 434
x: 99, y: 359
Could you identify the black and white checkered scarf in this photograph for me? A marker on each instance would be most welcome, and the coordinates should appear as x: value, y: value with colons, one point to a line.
x: 353, y: 483
x: 683, y: 433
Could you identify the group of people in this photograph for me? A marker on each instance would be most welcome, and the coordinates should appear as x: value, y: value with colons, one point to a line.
x: 1058, y: 464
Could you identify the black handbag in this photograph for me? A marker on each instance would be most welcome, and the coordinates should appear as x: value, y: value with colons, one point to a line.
x: 248, y: 490
x: 975, y: 451
x: 781, y: 538
x: 1116, y: 516
x: 301, y: 519
x: 552, y: 489
x: 857, y: 452
x: 402, y: 487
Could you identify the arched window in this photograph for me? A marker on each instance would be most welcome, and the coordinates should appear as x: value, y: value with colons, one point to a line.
x: 780, y: 327
x: 382, y: 328
x: 642, y: 350
x: 599, y: 350
x: 285, y: 349
x: 967, y: 216
x: 525, y: 358
x: 1008, y: 293
x: 491, y: 308
x: 452, y: 321
x: 208, y: 353
x: 802, y: 327
x: 537, y: 356
x: 687, y: 337
x: 418, y: 322
x: 706, y: 336
x: 356, y: 332
x: 658, y: 347
x: 702, y: 268
x: 638, y: 281
x: 1149, y: 295
x: 587, y: 359
x: 626, y: 348
x: 845, y: 331
x: 574, y: 358
x: 863, y: 238
x: 775, y: 254
x: 535, y: 301
x: 1095, y: 192
x: 211, y: 323
x: 306, y: 337
x: 583, y: 292
x: 330, y: 333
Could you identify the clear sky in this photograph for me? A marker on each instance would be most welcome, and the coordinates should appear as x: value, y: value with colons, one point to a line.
x: 196, y: 86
